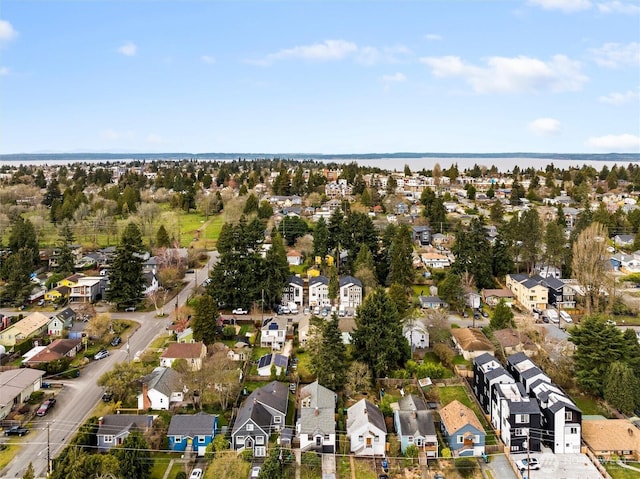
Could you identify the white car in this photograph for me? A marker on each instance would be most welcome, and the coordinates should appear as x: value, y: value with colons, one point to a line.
x: 524, y: 464
x: 239, y: 311
x: 552, y: 314
x: 566, y: 317
x: 196, y: 474
x: 255, y: 472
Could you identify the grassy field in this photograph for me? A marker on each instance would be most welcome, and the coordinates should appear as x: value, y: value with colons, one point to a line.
x: 7, y: 453
x: 618, y: 472
x: 590, y: 405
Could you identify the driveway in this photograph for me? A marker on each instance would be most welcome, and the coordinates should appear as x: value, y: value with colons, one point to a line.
x: 500, y: 467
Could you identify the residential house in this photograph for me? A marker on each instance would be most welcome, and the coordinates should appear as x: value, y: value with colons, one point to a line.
x: 421, y: 235
x: 267, y: 361
x: 57, y: 293
x: 273, y: 332
x: 293, y: 291
x: 151, y: 282
x: 414, y: 425
x: 58, y: 349
x: 462, y: 430
x: 435, y: 260
x: 512, y: 341
x: 560, y: 293
x: 192, y: 432
x: 487, y: 372
x: 319, y: 291
x: 472, y: 299
x: 160, y: 389
x: 471, y: 342
x: 294, y: 258
x: 493, y: 296
x: 88, y: 289
x: 16, y: 386
x: 262, y: 413
x: 193, y: 353
x: 517, y: 418
x: 316, y: 426
x: 32, y: 325
x: 366, y: 429
x: 525, y: 371
x: 114, y: 428
x: 416, y: 333
x: 432, y: 302
x: 528, y: 292
x: 61, y: 322
x: 351, y: 292
x: 612, y: 437
x: 303, y: 330
x: 624, y: 241
x: 627, y: 263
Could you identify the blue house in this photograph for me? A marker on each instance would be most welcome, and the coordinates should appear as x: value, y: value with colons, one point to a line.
x: 462, y: 430
x: 192, y: 432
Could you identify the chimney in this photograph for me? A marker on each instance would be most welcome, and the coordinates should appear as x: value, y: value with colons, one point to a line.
x: 316, y: 411
x: 100, y: 421
x: 146, y: 402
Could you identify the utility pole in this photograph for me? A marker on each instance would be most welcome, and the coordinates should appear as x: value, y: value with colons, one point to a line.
x: 49, y: 471
x: 528, y: 452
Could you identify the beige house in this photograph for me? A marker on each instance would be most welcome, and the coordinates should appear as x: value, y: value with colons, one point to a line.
x: 16, y: 385
x: 607, y: 437
x: 471, y: 342
x: 192, y: 353
x: 528, y: 292
x: 513, y: 341
x: 32, y: 325
x: 493, y: 296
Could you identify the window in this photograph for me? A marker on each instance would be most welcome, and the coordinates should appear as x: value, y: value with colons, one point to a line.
x: 277, y: 419
x: 108, y: 439
x: 460, y: 439
x: 410, y: 439
x: 240, y: 440
x: 200, y: 438
x: 360, y: 438
x: 522, y: 418
x: 476, y: 438
x: 249, y: 427
x: 326, y: 437
x: 573, y: 430
x: 177, y: 439
x: 519, y: 432
x: 567, y: 416
x: 515, y: 448
x: 260, y: 440
x: 260, y: 451
x: 376, y: 439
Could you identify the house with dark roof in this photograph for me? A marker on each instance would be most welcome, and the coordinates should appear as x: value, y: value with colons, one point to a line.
x: 61, y: 321
x: 560, y: 294
x: 493, y: 296
x: 512, y: 341
x: 273, y: 332
x: 487, y: 371
x: 293, y: 291
x: 265, y: 362
x: 114, y: 428
x: 316, y: 425
x: 319, y: 291
x: 160, y: 389
x: 262, y: 413
x: 421, y: 235
x: 517, y: 416
x: 432, y: 302
x: 366, y: 429
x: 413, y: 422
x: 193, y: 353
x: 462, y: 430
x: 192, y: 432
x: 351, y: 292
x: 58, y: 349
x: 525, y: 371
x: 527, y: 292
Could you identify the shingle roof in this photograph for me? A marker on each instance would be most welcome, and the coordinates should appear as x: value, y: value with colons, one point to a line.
x: 318, y: 279
x: 365, y: 412
x: 317, y: 420
x: 183, y: 350
x: 472, y: 339
x: 456, y: 415
x: 164, y: 380
x: 320, y: 396
x: 115, y: 424
x: 345, y: 280
x: 293, y: 279
x: 611, y: 435
x: 416, y: 423
x: 192, y: 425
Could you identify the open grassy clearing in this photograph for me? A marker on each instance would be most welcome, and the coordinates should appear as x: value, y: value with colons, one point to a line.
x: 619, y: 472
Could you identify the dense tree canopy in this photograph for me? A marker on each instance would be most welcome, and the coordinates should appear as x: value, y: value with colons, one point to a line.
x: 126, y: 281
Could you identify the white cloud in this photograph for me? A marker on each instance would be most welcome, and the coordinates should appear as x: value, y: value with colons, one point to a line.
x: 129, y: 49
x: 545, y: 126
x: 433, y: 37
x: 564, y: 5
x: 155, y: 139
x: 208, y: 59
x: 617, y: 98
x: 335, y: 50
x: 7, y: 32
x: 512, y: 74
x: 614, y: 55
x: 625, y: 143
x: 4, y: 71
x: 618, y: 7
x: 394, y: 78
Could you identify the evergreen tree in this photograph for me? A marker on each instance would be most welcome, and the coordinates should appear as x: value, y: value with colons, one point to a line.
x: 401, y: 258
x: 502, y: 258
x: 134, y: 457
x: 377, y: 338
x: 470, y: 250
x: 336, y: 228
x: 30, y: 473
x: 502, y: 317
x: 16, y: 271
x: 162, y: 238
x: 554, y: 242
x: 265, y: 210
x: 52, y: 194
x: 450, y: 289
x: 205, y: 320
x: 334, y: 284
x: 39, y: 180
x: 330, y: 361
x: 251, y: 205
x: 321, y: 239
x: 622, y: 387
x: 23, y: 236
x: 126, y: 282
x: 358, y: 230
x: 398, y: 294
x: 530, y: 234
x: 275, y: 271
x: 66, y: 259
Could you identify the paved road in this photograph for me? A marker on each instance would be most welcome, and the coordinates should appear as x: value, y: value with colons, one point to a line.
x: 78, y: 397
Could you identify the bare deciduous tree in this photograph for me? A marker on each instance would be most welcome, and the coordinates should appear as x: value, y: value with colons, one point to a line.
x: 589, y: 264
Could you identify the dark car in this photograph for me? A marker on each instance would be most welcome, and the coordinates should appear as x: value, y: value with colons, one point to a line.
x: 46, y: 407
x: 16, y: 431
x: 107, y: 396
x: 485, y: 314
x: 115, y: 341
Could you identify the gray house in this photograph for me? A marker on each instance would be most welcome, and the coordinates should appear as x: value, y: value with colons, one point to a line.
x: 414, y: 424
x: 316, y: 426
x: 262, y: 413
x: 114, y: 428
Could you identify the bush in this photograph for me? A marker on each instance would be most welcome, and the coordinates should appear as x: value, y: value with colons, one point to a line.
x: 36, y: 397
x: 181, y: 475
x: 466, y: 466
x: 433, y: 371
x: 445, y: 354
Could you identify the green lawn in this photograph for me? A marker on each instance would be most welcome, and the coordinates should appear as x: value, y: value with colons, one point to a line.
x: 431, y: 358
x: 451, y: 393
x: 589, y: 405
x: 304, y: 359
x: 618, y: 472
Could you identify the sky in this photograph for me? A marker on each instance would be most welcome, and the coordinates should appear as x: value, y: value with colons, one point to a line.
x: 332, y: 77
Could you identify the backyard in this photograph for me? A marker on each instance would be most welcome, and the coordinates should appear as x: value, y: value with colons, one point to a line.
x: 618, y: 472
x: 451, y: 393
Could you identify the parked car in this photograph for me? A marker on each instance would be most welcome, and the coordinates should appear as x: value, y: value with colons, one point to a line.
x: 130, y: 309
x: 566, y: 317
x: 107, y: 396
x: 101, y: 354
x: 46, y: 407
x: 255, y: 472
x: 41, y: 302
x: 239, y: 311
x: 16, y: 431
x: 190, y: 271
x: 196, y: 473
x: 524, y: 464
x: 115, y: 341
x: 484, y: 314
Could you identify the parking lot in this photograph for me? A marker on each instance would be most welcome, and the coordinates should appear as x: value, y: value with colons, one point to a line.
x: 560, y: 466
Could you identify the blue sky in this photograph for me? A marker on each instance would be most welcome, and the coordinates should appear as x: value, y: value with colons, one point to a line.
x: 320, y: 76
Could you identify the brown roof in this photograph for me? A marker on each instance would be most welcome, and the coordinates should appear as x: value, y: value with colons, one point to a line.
x: 500, y: 293
x: 510, y: 338
x: 184, y: 350
x: 611, y: 435
x: 56, y: 350
x: 63, y: 346
x: 456, y: 415
x: 471, y: 339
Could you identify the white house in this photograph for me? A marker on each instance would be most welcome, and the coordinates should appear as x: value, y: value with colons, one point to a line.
x: 273, y: 333
x: 416, y: 333
x: 316, y: 426
x: 294, y: 258
x: 293, y: 291
x: 319, y: 291
x: 350, y: 292
x: 366, y: 429
x: 160, y: 389
x: 192, y: 353
x: 266, y: 362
